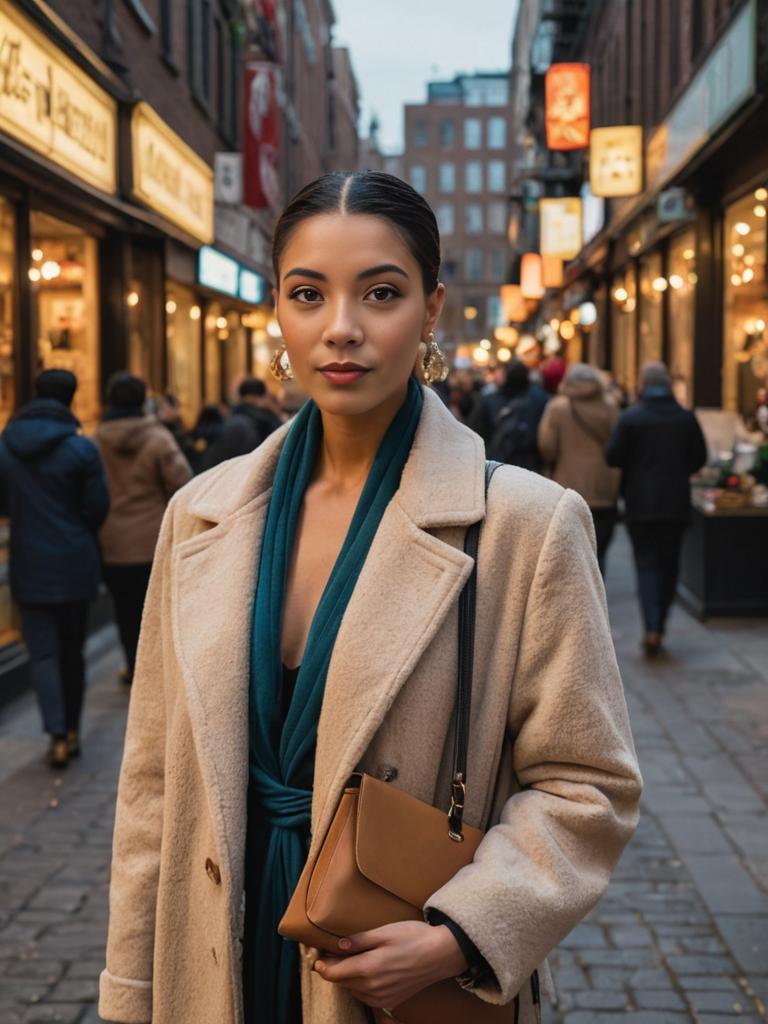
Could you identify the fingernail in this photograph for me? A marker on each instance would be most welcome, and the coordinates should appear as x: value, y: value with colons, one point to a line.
x: 345, y: 944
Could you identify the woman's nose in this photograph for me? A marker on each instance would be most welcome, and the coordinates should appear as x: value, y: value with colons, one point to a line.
x: 342, y: 327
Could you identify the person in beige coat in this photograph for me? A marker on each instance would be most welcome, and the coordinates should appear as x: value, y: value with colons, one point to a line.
x: 552, y: 771
x: 144, y: 467
x: 573, y: 433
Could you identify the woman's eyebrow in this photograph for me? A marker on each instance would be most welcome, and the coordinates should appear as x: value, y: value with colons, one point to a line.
x: 382, y: 268
x: 304, y: 272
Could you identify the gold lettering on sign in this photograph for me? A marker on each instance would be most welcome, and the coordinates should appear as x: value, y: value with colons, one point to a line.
x: 169, y: 176
x: 51, y: 105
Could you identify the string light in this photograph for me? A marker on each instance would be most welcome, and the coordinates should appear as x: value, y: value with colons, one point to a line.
x: 741, y: 228
x: 194, y: 313
x: 676, y: 281
x: 659, y: 284
x: 132, y: 299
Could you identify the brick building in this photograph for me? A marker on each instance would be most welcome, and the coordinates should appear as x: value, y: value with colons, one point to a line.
x: 679, y: 270
x: 455, y: 154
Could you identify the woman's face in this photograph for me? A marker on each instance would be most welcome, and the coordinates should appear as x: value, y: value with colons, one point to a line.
x: 351, y: 306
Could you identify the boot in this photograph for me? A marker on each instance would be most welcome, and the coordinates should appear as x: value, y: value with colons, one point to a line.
x: 57, y: 755
x: 73, y: 743
x: 652, y: 645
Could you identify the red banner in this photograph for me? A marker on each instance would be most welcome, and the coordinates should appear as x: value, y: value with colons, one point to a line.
x: 567, y: 91
x: 261, y: 138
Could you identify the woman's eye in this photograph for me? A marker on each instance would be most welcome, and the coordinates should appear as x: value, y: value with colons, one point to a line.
x: 383, y: 292
x: 306, y: 294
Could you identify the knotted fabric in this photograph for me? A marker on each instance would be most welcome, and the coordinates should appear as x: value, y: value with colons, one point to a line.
x: 281, y: 754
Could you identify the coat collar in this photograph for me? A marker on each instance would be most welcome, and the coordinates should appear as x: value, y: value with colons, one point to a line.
x: 410, y: 581
x: 443, y: 482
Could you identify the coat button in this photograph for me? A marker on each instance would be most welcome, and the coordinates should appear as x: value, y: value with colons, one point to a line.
x: 212, y: 870
x: 388, y: 773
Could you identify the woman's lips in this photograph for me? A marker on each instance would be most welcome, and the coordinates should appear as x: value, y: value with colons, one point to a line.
x: 342, y: 375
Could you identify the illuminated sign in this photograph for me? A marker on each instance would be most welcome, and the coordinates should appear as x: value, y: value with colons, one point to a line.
x: 531, y: 276
x: 169, y: 176
x: 567, y: 112
x: 51, y: 106
x: 560, y: 227
x: 616, y: 161
x: 220, y: 272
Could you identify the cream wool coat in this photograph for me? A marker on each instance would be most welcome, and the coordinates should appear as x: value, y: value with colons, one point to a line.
x: 551, y: 763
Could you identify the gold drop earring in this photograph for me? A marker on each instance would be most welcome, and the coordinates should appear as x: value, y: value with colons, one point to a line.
x: 280, y: 365
x: 435, y: 367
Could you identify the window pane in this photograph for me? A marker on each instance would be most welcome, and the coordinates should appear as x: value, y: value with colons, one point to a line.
x: 682, y: 292
x: 745, y: 335
x: 7, y: 265
x: 497, y: 176
x: 447, y: 178
x: 497, y: 133
x: 623, y: 326
x: 473, y: 219
x: 445, y: 218
x: 182, y: 326
x: 447, y: 132
x: 419, y: 177
x: 493, y: 311
x: 473, y: 133
x: 65, y: 305
x: 497, y: 218
x: 420, y: 134
x: 473, y: 176
x: 212, y: 383
x: 650, y: 321
x: 498, y: 265
x: 473, y: 264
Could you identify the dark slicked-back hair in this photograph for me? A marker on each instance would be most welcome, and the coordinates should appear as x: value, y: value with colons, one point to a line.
x: 373, y: 193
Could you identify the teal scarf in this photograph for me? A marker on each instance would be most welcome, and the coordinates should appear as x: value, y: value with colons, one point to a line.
x: 282, y: 753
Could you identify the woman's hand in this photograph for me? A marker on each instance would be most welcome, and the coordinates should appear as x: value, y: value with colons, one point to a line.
x: 386, y: 966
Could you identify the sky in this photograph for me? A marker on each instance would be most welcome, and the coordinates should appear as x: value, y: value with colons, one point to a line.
x: 397, y: 46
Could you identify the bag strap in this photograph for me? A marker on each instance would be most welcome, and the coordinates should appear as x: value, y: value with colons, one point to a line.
x: 467, y: 602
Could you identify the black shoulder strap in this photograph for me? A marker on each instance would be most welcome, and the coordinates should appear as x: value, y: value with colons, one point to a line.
x: 467, y: 601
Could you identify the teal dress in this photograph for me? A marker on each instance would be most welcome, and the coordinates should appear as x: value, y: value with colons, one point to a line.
x: 284, y: 711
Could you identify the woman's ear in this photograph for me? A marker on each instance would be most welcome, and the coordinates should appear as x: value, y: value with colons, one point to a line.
x: 435, y: 303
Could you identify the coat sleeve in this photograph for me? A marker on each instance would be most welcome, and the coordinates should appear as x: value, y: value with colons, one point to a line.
x: 697, y: 446
x: 126, y: 983
x: 616, y: 448
x: 549, y: 859
x: 94, y: 495
x: 548, y: 434
x: 173, y: 466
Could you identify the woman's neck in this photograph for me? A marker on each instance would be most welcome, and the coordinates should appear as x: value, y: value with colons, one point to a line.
x: 350, y: 444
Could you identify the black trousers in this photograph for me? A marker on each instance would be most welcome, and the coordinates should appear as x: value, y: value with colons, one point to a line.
x: 605, y: 523
x: 657, y: 549
x: 128, y: 586
x: 55, y: 636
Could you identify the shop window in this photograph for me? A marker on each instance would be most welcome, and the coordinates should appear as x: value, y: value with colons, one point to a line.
x: 623, y: 330
x: 497, y: 132
x: 446, y: 181
x: 65, y: 291
x: 473, y: 176
x: 215, y: 332
x: 473, y: 213
x: 651, y: 309
x: 7, y: 264
x: 445, y: 218
x: 182, y: 332
x: 473, y: 133
x: 681, y: 275
x: 418, y: 176
x: 234, y: 343
x: 447, y: 132
x: 745, y: 335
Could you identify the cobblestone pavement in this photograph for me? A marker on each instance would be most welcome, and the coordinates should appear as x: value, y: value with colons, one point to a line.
x: 681, y: 935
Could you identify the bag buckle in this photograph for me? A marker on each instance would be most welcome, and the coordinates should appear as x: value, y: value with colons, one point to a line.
x: 456, y: 810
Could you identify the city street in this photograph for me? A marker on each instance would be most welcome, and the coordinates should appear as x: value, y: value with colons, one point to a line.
x: 682, y: 933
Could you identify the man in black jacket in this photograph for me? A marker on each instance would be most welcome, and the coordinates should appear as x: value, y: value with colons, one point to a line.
x: 250, y: 423
x: 52, y: 486
x: 658, y: 445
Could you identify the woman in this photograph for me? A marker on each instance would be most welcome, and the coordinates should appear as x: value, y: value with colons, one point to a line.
x: 572, y: 435
x: 324, y: 570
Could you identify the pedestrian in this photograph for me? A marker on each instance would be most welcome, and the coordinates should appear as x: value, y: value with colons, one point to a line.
x: 760, y: 418
x: 170, y: 415
x: 572, y: 436
x: 657, y: 445
x: 300, y: 623
x: 144, y: 467
x: 249, y: 425
x: 53, y: 488
x: 508, y: 419
x: 210, y: 423
x: 553, y: 371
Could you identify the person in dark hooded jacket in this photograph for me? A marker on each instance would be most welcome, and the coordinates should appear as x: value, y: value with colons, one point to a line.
x: 144, y: 467
x: 52, y: 486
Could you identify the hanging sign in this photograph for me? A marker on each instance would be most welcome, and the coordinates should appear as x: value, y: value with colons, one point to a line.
x: 616, y: 161
x: 560, y: 227
x: 51, y: 106
x: 169, y: 176
x: 261, y: 139
x: 513, y: 303
x: 567, y: 98
x: 531, y: 276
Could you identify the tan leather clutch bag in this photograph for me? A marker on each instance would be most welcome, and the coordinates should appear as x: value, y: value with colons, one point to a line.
x: 387, y: 852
